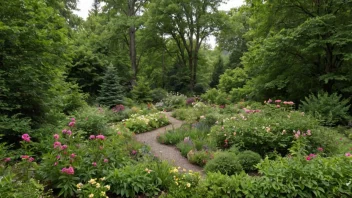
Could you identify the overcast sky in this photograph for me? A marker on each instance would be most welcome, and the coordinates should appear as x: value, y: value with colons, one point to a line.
x: 85, y: 5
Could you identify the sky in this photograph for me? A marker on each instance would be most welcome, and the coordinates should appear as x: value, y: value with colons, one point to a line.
x: 85, y: 5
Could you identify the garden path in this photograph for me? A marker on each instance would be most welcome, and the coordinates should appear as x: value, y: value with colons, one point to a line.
x: 166, y: 152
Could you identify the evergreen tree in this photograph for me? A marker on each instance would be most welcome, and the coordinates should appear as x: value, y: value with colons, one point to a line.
x: 111, y: 92
x: 142, y: 92
x: 218, y: 70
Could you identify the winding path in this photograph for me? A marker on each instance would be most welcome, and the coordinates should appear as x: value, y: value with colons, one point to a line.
x: 166, y: 152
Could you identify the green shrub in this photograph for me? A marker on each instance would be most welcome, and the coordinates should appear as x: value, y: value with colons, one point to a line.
x: 174, y: 100
x: 329, y: 109
x: 248, y: 160
x: 232, y: 78
x: 210, y: 96
x: 141, y: 92
x: 158, y: 94
x: 199, y: 158
x: 225, y: 163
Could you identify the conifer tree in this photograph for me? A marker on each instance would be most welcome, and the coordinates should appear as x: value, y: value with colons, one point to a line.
x: 111, y: 92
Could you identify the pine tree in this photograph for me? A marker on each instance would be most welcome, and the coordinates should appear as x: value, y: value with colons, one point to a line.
x: 141, y: 92
x: 111, y: 92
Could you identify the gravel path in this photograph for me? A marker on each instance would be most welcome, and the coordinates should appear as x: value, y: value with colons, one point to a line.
x: 166, y: 152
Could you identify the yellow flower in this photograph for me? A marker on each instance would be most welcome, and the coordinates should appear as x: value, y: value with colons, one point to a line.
x: 102, y: 179
x: 98, y: 185
x: 91, y: 195
x: 102, y: 193
x: 176, y: 183
x: 79, y: 185
x: 188, y: 185
x: 107, y: 187
x: 92, y: 181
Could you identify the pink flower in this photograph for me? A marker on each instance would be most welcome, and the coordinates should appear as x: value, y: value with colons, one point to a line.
x: 348, y: 155
x: 312, y: 155
x: 58, y: 157
x: 106, y: 160
x: 277, y: 101
x: 309, y: 132
x: 308, y: 158
x: 68, y: 171
x: 55, y: 164
x: 278, y: 106
x: 101, y: 137
x: 31, y: 159
x: 26, y: 137
x: 73, y: 119
x: 118, y: 133
x: 296, y: 135
x: 320, y: 149
x: 269, y: 101
x: 94, y: 164
x: 63, y: 147
x: 64, y: 131
x: 92, y: 137
x: 134, y: 152
x: 73, y: 155
x: 57, y: 144
x: 71, y: 124
x: 69, y: 132
x: 24, y: 156
x: 7, y: 159
x: 56, y: 136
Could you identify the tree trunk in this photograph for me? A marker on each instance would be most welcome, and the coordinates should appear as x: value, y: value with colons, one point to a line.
x: 133, y: 54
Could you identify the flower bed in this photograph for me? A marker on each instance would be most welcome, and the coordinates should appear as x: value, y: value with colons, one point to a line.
x: 143, y: 123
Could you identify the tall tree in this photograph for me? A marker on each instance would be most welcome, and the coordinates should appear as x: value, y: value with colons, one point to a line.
x: 188, y: 23
x: 300, y: 47
x: 128, y: 12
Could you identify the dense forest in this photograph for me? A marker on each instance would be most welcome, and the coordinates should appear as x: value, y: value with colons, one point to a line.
x: 53, y: 63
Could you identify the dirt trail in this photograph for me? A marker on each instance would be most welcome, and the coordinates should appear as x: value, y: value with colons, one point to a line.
x: 166, y: 152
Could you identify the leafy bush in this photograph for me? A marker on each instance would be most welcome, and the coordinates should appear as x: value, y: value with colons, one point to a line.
x: 225, y: 163
x: 143, y: 123
x: 329, y: 109
x: 199, y: 158
x: 118, y: 113
x: 248, y: 160
x: 158, y: 94
x: 130, y: 181
x: 174, y: 100
x: 232, y: 78
x: 214, y: 96
x: 91, y: 120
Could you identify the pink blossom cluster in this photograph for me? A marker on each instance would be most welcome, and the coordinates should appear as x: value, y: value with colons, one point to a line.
x: 56, y: 136
x: 26, y: 157
x: 298, y: 133
x: 310, y: 156
x: 278, y: 102
x: 99, y: 137
x: 68, y: 132
x: 251, y: 111
x: 26, y: 137
x: 118, y: 108
x: 7, y: 159
x: 68, y: 171
x: 348, y: 154
x: 72, y: 123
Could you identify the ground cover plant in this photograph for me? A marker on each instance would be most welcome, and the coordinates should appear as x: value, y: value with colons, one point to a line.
x: 143, y: 123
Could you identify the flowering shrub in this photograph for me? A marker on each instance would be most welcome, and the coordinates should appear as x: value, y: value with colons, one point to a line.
x: 143, y: 123
x: 263, y: 132
x: 174, y: 100
x: 199, y: 158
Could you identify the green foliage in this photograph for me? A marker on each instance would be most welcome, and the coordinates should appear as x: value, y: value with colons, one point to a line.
x: 185, y: 147
x: 219, y: 69
x: 328, y: 109
x: 232, y: 78
x: 130, y: 181
x: 174, y: 100
x: 214, y: 96
x: 91, y: 120
x: 111, y: 92
x: 224, y: 162
x: 248, y: 160
x: 141, y: 92
x: 183, y: 184
x: 158, y: 94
